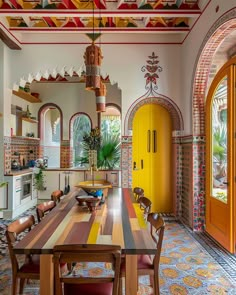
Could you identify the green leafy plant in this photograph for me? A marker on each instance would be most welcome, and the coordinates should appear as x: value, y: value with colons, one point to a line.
x: 38, y: 175
x: 108, y: 151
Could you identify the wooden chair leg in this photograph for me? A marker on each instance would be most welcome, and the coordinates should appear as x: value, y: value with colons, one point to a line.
x: 14, y: 285
x: 120, y: 286
x: 22, y: 284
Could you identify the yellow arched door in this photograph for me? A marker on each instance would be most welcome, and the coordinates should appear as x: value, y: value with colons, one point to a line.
x: 220, y: 157
x: 152, y: 156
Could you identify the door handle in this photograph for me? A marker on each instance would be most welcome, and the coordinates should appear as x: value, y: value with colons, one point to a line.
x: 142, y: 164
x: 148, y: 140
x: 154, y: 141
x: 134, y: 166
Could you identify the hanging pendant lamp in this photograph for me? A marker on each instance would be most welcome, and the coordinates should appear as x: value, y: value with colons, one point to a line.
x: 101, y: 98
x: 93, y: 58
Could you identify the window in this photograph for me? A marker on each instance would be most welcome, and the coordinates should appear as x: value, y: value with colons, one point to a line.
x: 81, y: 124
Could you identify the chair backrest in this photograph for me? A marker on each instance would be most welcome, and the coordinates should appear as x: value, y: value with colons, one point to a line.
x: 138, y: 192
x: 44, y: 207
x: 145, y: 204
x: 56, y: 195
x: 86, y: 253
x: 12, y: 231
x: 157, y: 227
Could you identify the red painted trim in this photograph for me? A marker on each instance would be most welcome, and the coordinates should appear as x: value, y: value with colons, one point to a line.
x: 81, y: 30
x: 101, y: 12
x: 129, y: 204
x: 103, y: 43
x: 5, y: 28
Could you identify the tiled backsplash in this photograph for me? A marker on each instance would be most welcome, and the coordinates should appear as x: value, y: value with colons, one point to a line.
x: 19, y: 145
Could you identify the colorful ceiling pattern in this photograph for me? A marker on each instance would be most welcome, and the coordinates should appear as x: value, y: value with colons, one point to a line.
x: 101, y: 15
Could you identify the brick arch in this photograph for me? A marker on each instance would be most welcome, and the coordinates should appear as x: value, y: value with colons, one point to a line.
x: 225, y: 25
x: 161, y: 100
x: 221, y: 29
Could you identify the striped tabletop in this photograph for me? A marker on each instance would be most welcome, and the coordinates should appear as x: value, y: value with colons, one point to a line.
x: 119, y: 221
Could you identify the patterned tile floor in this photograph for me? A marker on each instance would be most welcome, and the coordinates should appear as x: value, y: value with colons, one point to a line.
x: 190, y: 264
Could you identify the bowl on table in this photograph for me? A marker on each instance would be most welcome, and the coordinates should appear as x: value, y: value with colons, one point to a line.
x: 89, y: 201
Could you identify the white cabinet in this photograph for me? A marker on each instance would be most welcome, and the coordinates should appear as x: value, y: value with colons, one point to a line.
x: 113, y: 176
x: 59, y: 179
x: 17, y: 203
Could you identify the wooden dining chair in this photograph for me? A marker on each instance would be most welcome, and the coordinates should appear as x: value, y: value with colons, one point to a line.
x: 44, y: 207
x: 29, y: 269
x: 145, y: 204
x: 56, y: 196
x: 74, y: 283
x: 138, y: 192
x: 149, y: 265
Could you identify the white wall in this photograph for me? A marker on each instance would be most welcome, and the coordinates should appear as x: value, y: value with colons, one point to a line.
x: 123, y: 63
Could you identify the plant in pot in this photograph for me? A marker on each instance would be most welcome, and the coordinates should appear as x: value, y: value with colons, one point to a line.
x: 38, y: 175
x: 108, y: 150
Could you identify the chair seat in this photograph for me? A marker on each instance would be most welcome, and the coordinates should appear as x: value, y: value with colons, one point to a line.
x: 144, y: 262
x: 31, y: 265
x: 88, y: 289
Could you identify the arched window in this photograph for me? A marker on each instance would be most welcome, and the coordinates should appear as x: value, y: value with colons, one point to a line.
x: 111, y: 121
x: 80, y: 124
x: 111, y: 137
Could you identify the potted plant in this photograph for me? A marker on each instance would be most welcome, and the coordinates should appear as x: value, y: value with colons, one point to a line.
x: 38, y: 175
x: 107, y: 147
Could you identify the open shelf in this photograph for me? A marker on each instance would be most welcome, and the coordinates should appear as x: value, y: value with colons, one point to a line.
x: 26, y: 96
x: 29, y: 120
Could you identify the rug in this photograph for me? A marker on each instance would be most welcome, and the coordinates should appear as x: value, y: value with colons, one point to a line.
x: 185, y: 268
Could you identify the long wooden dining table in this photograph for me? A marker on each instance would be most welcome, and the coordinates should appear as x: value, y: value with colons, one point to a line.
x: 119, y: 221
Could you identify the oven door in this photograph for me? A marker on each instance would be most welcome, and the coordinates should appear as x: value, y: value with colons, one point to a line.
x: 26, y: 191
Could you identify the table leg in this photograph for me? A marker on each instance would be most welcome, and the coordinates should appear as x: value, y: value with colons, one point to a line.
x: 46, y: 275
x: 131, y: 279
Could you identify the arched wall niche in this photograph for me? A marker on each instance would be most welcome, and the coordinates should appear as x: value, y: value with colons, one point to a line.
x: 212, y: 44
x: 47, y: 149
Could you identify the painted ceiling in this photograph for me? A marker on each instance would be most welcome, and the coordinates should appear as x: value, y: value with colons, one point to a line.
x: 93, y: 17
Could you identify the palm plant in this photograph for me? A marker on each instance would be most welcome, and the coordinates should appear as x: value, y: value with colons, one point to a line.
x: 108, y: 152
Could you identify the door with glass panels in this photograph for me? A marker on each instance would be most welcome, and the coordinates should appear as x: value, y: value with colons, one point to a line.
x: 220, y: 158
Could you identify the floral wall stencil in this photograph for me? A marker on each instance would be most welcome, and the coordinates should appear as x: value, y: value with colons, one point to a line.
x: 152, y: 69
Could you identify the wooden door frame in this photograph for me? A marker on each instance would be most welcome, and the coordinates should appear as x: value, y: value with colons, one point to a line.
x: 227, y: 70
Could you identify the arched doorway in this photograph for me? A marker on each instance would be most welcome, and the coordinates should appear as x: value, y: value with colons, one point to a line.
x: 175, y: 116
x: 50, y: 131
x: 220, y: 157
x: 152, y: 156
x: 220, y: 35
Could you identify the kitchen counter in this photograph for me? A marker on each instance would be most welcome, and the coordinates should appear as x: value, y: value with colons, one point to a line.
x: 20, y: 172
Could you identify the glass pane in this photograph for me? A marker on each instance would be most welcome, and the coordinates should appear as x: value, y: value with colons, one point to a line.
x: 219, y: 142
x: 81, y: 126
